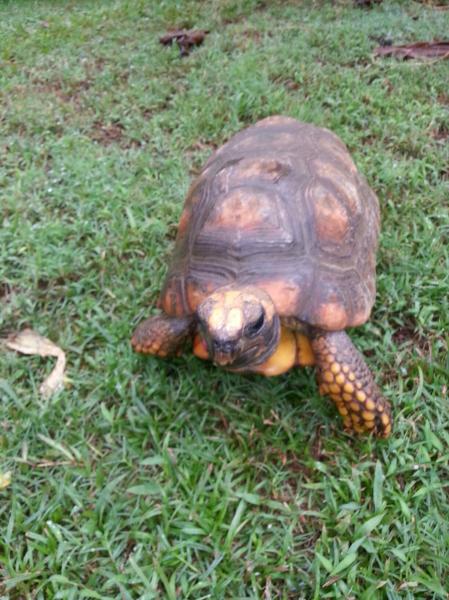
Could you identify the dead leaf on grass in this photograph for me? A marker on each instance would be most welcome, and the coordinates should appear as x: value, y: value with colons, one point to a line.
x: 5, y: 480
x: 366, y: 3
x: 436, y: 49
x: 32, y: 343
x: 435, y: 4
x: 185, y: 38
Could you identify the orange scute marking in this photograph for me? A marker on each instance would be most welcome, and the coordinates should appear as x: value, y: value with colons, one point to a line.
x: 242, y: 209
x: 285, y: 295
x: 339, y: 153
x: 259, y: 168
x: 331, y: 220
x: 171, y: 300
x: 342, y: 182
x: 332, y: 315
x: 196, y: 294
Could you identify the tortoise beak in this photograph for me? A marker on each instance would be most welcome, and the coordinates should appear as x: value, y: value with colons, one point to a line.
x: 223, y: 353
x: 222, y: 360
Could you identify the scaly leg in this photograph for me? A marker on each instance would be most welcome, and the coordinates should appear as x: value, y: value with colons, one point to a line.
x: 162, y: 335
x: 343, y: 375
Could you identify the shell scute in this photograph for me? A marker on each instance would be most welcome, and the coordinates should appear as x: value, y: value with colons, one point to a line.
x: 340, y: 180
x: 332, y: 223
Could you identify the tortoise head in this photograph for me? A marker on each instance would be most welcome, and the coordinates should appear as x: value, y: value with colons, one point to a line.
x: 240, y: 326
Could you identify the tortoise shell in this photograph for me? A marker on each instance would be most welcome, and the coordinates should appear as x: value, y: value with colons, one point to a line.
x: 280, y: 206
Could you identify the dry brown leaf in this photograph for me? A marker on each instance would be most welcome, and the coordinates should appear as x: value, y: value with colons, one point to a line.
x: 435, y: 5
x: 436, y: 49
x: 186, y: 39
x: 366, y: 3
x: 32, y: 343
x: 5, y: 480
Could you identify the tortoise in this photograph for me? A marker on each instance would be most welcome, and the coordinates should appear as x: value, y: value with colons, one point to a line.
x: 274, y: 258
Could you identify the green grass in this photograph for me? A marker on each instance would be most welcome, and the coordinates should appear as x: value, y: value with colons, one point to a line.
x: 171, y: 479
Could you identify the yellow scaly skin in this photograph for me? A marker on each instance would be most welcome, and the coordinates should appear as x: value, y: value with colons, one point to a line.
x: 343, y: 375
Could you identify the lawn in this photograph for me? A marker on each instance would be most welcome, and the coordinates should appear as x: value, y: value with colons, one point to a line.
x: 172, y: 479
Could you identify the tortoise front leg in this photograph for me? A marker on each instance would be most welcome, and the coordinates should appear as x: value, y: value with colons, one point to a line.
x: 343, y: 375
x: 162, y: 335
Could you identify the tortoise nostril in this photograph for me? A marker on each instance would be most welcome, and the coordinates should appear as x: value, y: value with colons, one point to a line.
x: 226, y: 347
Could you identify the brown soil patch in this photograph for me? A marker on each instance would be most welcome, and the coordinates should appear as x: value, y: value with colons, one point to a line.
x: 66, y: 93
x: 404, y: 335
x: 6, y: 291
x: 436, y: 4
x: 290, y: 84
x: 243, y: 38
x: 441, y: 133
x: 260, y: 6
x: 105, y: 135
x: 252, y: 34
x: 368, y: 140
x: 45, y: 284
x: 112, y: 133
x: 201, y: 145
x: 408, y: 335
x: 444, y: 174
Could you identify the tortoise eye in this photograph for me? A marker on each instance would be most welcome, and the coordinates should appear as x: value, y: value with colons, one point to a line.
x: 254, y: 328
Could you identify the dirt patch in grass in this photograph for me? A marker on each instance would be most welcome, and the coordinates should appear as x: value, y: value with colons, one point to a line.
x: 444, y: 174
x: 408, y: 335
x: 66, y: 93
x: 405, y: 334
x: 436, y: 4
x: 202, y: 145
x: 443, y: 99
x: 44, y: 284
x: 252, y: 34
x: 6, y: 291
x: 105, y: 135
x: 291, y: 85
x: 228, y: 18
x: 112, y: 133
x: 287, y: 82
x: 246, y: 37
x: 441, y: 133
x: 368, y: 140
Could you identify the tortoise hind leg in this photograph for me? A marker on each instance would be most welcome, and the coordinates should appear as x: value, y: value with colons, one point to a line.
x: 162, y: 335
x: 343, y: 375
